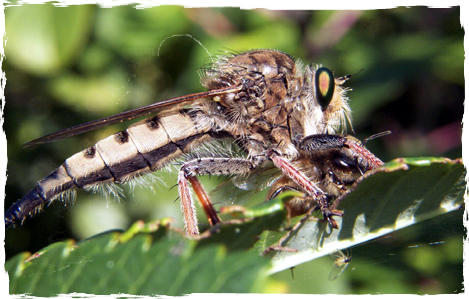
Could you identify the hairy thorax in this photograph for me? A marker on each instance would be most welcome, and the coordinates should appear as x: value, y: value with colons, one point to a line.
x: 278, y: 104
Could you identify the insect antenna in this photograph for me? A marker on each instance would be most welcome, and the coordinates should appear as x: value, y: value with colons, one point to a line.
x: 378, y: 135
x: 346, y: 77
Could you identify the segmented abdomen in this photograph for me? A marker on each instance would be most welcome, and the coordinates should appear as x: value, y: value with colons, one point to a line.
x: 143, y: 147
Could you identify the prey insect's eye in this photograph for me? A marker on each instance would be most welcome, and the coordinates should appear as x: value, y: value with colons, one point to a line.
x: 325, y: 86
x: 343, y: 163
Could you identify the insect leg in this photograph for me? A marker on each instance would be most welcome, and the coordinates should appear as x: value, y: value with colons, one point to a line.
x: 364, y: 155
x: 309, y: 187
x: 321, y: 142
x: 205, y: 166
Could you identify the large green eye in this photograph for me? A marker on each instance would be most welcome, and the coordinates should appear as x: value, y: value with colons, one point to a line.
x: 325, y: 86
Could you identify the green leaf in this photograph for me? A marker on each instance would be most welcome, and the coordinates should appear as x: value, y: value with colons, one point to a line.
x: 145, y: 260
x: 401, y: 193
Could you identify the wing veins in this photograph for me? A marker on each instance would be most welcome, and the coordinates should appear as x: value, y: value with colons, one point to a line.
x: 127, y: 115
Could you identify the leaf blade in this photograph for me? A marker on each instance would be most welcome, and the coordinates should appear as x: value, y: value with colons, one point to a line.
x: 402, y: 193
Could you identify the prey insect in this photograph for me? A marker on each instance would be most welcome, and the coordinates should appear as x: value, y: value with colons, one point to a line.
x: 334, y: 170
x: 273, y: 109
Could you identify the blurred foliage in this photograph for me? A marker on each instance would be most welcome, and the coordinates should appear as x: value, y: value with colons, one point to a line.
x: 69, y: 65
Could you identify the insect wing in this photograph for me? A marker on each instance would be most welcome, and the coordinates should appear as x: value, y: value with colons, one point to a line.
x: 241, y: 188
x: 258, y: 180
x: 127, y: 115
x: 341, y: 262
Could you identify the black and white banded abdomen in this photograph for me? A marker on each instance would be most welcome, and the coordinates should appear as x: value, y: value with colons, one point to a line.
x: 144, y: 147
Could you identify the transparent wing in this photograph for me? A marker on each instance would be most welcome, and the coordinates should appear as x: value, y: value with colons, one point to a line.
x: 239, y: 189
x: 257, y: 180
x: 128, y: 115
x: 341, y: 262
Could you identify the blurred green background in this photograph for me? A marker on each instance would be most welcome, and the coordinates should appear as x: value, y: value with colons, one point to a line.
x: 66, y: 66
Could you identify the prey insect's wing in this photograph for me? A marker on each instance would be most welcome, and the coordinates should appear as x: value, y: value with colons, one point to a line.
x: 258, y: 179
x: 128, y: 115
x: 240, y: 188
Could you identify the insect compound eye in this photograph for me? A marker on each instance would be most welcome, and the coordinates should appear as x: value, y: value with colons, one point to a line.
x: 343, y: 163
x: 325, y: 86
x: 345, y: 169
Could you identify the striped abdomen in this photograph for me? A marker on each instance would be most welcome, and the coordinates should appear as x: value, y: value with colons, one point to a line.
x: 143, y: 147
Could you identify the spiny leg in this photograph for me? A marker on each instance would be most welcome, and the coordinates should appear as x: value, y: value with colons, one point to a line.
x: 362, y: 153
x: 309, y: 187
x: 205, y: 166
x: 321, y: 142
x: 187, y: 205
x: 204, y: 201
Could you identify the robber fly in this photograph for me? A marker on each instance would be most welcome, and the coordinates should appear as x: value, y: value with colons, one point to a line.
x: 275, y: 111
